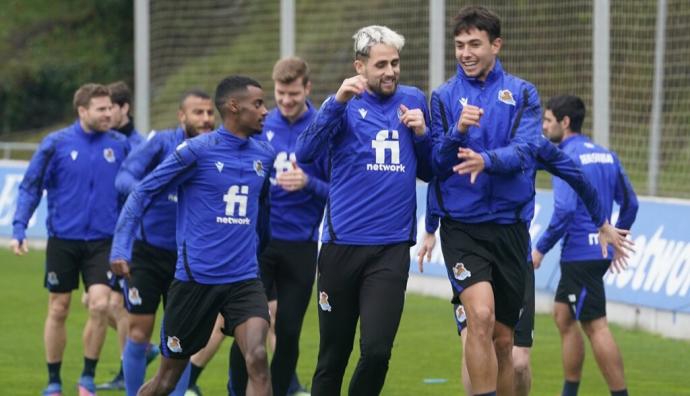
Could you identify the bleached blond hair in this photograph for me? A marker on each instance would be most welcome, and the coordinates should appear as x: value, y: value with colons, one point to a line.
x: 368, y: 36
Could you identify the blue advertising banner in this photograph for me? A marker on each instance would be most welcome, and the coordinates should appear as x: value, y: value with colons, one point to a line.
x: 658, y: 275
x: 11, y: 174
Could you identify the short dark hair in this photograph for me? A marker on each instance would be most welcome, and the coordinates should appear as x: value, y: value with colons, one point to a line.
x: 288, y: 70
x: 231, y: 85
x: 83, y: 95
x: 480, y: 18
x: 120, y: 93
x: 194, y: 92
x: 568, y: 105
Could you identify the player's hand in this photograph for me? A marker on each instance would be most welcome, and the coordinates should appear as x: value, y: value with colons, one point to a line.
x: 537, y: 258
x: 425, y: 248
x: 618, y: 264
x: 19, y: 248
x: 413, y: 119
x: 350, y: 87
x: 472, y: 163
x: 470, y: 116
x: 622, y: 246
x: 120, y: 268
x: 294, y: 179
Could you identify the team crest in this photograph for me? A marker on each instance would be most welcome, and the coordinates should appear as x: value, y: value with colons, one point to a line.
x: 74, y: 154
x: 109, y: 155
x: 259, y: 168
x: 133, y: 296
x: 174, y: 344
x: 323, y: 302
x: 53, y: 279
x: 269, y: 135
x: 506, y: 97
x: 460, y: 272
x: 460, y: 314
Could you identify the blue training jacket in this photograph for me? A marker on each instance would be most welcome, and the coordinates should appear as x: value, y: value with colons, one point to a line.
x: 556, y: 162
x: 570, y: 221
x: 78, y: 171
x: 222, y: 212
x: 159, y: 220
x: 295, y: 216
x: 507, y: 139
x: 374, y: 163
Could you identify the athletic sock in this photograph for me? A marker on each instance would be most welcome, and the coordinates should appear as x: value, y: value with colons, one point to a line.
x: 194, y: 373
x: 182, y: 383
x: 622, y: 392
x: 570, y: 388
x: 134, y: 365
x: 54, y: 373
x: 89, y: 367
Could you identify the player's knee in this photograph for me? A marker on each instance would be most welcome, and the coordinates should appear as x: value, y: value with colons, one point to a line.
x: 116, y: 304
x: 98, y: 306
x: 521, y: 364
x: 256, y: 359
x: 166, y: 384
x: 503, y: 345
x: 138, y: 334
x: 376, y: 354
x: 482, y: 322
x: 58, y: 311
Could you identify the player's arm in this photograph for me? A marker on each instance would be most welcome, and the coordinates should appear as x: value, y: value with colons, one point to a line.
x: 446, y: 139
x: 565, y: 203
x: 30, y: 192
x: 418, y: 121
x: 174, y: 170
x: 318, y: 175
x: 625, y: 197
x: 431, y: 223
x: 525, y: 133
x: 134, y: 168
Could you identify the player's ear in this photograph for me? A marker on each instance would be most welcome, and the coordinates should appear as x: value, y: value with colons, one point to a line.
x: 565, y: 122
x: 360, y: 66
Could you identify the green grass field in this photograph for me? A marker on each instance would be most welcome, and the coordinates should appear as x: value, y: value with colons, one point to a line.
x: 426, y: 347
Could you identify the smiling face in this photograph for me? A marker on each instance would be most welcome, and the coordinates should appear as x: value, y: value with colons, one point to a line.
x: 196, y: 115
x: 381, y: 69
x: 291, y: 98
x: 97, y: 115
x: 475, y: 53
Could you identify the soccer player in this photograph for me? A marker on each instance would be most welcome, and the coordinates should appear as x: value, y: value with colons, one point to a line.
x: 580, y: 294
x: 154, y: 251
x: 298, y: 196
x: 558, y: 163
x: 121, y: 121
x: 376, y: 134
x: 222, y: 181
x: 77, y: 166
x: 487, y: 206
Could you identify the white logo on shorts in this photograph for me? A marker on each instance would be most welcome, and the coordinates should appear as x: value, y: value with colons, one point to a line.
x: 134, y: 297
x: 460, y: 272
x: 460, y: 314
x: 53, y: 279
x: 323, y: 302
x: 174, y: 344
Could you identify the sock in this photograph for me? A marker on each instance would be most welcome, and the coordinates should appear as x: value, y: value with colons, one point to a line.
x: 486, y: 394
x: 194, y: 373
x: 570, y: 388
x: 622, y: 392
x: 294, y: 384
x: 134, y: 365
x: 54, y: 373
x: 182, y: 383
x: 89, y: 367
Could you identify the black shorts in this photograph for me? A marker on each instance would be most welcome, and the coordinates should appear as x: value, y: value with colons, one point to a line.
x: 66, y: 258
x: 582, y: 288
x: 151, y: 272
x: 192, y: 309
x: 494, y: 253
x: 524, y: 329
x: 287, y: 259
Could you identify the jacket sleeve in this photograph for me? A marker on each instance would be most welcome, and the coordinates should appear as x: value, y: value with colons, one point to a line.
x: 559, y: 164
x: 31, y: 187
x: 525, y: 133
x: 174, y: 170
x: 328, y: 122
x: 318, y: 172
x: 134, y: 168
x: 446, y: 139
x: 565, y: 203
x: 423, y: 145
x: 626, y: 198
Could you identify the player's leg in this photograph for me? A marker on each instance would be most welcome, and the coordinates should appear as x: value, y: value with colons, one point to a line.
x: 523, y: 370
x: 503, y: 345
x: 200, y: 359
x: 572, y: 348
x: 460, y: 320
x: 480, y: 355
x: 55, y: 335
x: 294, y: 282
x: 245, y: 310
x: 117, y: 320
x: 381, y: 301
x: 523, y: 339
x: 338, y: 308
